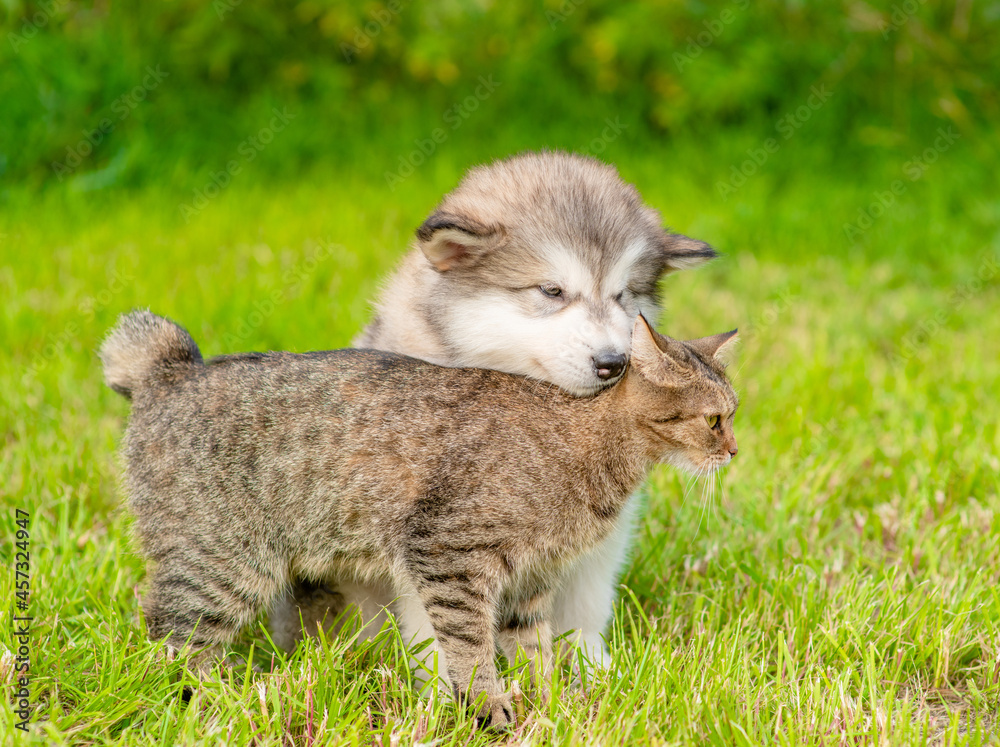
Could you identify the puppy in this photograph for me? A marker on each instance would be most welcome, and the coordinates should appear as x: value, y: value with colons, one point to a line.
x: 536, y: 265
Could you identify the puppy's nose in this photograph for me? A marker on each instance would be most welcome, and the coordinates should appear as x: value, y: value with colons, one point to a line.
x: 609, y: 365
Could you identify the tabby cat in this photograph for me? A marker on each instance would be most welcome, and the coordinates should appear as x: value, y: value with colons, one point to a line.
x: 468, y: 491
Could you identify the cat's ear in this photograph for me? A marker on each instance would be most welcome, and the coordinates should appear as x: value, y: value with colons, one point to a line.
x: 715, y: 347
x: 450, y: 240
x: 650, y: 355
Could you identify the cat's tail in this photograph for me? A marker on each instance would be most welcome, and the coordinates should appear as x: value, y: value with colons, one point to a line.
x: 144, y: 349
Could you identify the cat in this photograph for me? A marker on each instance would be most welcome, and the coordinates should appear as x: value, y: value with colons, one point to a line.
x: 536, y: 264
x: 469, y: 491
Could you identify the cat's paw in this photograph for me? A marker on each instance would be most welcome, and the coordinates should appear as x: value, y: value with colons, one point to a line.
x: 497, y: 713
x: 202, y: 663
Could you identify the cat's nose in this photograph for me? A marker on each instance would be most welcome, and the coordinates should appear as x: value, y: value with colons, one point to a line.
x: 609, y: 365
x: 733, y: 449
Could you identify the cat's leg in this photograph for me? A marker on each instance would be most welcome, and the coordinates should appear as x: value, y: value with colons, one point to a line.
x: 416, y: 628
x: 585, y: 601
x: 198, y: 602
x: 461, y: 610
x: 527, y: 629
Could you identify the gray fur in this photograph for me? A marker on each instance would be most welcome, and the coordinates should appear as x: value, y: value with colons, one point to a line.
x: 467, y: 294
x: 143, y: 348
x: 470, y: 489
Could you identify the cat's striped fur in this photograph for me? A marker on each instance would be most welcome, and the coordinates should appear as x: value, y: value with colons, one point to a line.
x: 466, y: 490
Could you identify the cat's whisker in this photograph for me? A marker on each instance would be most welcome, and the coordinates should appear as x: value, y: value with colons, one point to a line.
x: 716, y: 489
x: 724, y: 497
x: 690, y: 484
x: 712, y: 482
x: 713, y: 508
x: 701, y: 515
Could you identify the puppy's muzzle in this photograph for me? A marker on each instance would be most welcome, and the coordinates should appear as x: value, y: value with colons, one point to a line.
x: 609, y: 365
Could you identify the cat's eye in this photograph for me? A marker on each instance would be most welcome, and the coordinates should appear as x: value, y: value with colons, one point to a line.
x: 551, y: 290
x: 713, y: 421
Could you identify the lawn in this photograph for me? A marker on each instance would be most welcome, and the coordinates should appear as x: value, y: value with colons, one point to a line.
x: 838, y: 584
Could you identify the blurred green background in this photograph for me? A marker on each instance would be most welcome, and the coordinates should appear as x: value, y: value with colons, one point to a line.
x: 365, y: 80
x: 253, y: 169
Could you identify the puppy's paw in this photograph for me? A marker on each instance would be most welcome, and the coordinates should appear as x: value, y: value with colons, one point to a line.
x: 590, y: 659
x: 595, y: 651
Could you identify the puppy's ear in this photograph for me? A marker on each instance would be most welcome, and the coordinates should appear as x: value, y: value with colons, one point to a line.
x: 681, y: 252
x: 449, y: 240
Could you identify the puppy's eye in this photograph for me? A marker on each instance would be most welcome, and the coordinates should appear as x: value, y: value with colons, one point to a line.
x: 551, y: 290
x: 713, y: 421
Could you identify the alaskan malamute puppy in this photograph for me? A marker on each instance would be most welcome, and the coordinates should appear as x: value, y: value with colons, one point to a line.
x: 535, y: 265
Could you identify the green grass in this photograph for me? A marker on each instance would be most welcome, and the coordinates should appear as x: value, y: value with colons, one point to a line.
x: 840, y: 587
